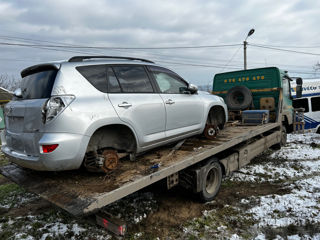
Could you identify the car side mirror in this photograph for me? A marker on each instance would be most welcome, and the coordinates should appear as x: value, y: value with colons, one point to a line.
x: 18, y: 93
x: 299, y: 87
x: 192, y: 88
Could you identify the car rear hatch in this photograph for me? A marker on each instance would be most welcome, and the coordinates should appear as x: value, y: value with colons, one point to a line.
x: 23, y: 115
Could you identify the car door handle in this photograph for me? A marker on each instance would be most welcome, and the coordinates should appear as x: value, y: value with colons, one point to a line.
x: 124, y: 105
x: 169, y: 101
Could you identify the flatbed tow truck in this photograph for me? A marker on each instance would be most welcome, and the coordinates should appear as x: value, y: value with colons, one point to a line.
x: 82, y: 193
x: 189, y: 164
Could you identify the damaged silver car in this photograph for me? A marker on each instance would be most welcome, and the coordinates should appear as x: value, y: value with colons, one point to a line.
x: 92, y: 110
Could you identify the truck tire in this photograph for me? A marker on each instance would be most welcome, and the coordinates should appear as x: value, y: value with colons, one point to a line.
x: 211, y: 181
x: 283, y: 140
x: 239, y: 98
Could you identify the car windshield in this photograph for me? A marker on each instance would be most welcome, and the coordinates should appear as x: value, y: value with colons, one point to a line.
x: 38, y: 85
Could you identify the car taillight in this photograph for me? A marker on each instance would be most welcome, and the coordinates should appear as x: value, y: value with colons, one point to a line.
x: 54, y: 106
x: 49, y: 148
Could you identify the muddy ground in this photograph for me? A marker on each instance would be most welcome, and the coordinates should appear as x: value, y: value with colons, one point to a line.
x: 259, y: 202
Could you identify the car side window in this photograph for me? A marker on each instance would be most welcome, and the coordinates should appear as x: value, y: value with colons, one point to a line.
x: 315, y: 103
x: 113, y: 84
x: 133, y: 79
x: 169, y: 82
x: 96, y: 75
x: 301, y: 103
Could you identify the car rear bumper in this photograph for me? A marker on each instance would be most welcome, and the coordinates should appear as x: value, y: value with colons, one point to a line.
x: 67, y: 156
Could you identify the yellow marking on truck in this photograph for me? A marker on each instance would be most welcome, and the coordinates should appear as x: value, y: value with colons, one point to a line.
x: 252, y: 90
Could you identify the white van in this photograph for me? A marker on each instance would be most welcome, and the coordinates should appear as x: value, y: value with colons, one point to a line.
x: 310, y: 101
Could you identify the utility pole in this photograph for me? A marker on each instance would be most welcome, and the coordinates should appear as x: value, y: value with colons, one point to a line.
x: 245, y: 54
x: 245, y: 48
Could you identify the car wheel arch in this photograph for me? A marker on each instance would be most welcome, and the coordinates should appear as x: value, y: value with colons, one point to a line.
x: 117, y: 136
x: 215, y: 110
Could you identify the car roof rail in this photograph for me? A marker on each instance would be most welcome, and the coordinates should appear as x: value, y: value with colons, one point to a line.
x: 81, y: 58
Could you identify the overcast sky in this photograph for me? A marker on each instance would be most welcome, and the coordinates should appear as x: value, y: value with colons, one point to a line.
x: 288, y: 25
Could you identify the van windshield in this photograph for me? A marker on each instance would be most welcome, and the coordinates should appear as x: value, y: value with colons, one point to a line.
x: 38, y: 85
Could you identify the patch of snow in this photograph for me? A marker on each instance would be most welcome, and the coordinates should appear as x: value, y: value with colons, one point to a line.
x: 23, y: 236
x: 300, y: 207
x: 261, y: 236
x: 297, y: 159
x: 77, y: 229
x: 56, y: 228
x: 295, y: 151
x: 293, y: 237
x: 15, y: 199
x: 306, y: 138
x: 235, y: 237
x: 137, y: 235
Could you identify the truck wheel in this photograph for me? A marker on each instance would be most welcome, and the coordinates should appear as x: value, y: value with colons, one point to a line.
x: 283, y: 140
x: 211, y: 183
x: 239, y: 98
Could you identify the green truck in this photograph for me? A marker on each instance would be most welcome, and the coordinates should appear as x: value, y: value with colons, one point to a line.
x: 258, y: 89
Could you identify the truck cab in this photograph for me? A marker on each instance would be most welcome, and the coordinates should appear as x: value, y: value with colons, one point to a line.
x: 257, y: 89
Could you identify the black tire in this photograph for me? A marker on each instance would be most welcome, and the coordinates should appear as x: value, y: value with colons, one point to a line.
x: 211, y: 183
x: 283, y: 140
x: 239, y: 98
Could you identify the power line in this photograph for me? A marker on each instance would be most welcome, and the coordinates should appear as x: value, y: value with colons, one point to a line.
x: 66, y: 45
x: 288, y: 46
x: 64, y: 48
x: 124, y: 48
x: 195, y: 65
x: 227, y: 64
x: 285, y: 50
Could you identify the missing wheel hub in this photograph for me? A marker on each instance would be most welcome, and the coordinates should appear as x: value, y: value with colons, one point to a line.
x: 110, y: 160
x: 211, y: 131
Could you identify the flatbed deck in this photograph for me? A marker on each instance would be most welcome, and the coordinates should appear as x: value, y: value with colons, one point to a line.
x: 80, y: 192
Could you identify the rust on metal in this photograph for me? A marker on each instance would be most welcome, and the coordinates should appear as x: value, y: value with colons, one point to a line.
x: 111, y: 160
x: 211, y: 131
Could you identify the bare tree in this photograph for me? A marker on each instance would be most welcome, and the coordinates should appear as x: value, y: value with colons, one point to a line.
x: 316, y: 68
x: 9, y: 82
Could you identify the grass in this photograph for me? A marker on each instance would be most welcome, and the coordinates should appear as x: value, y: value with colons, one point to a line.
x: 3, y: 160
x: 46, y: 225
x: 217, y: 221
x: 9, y: 194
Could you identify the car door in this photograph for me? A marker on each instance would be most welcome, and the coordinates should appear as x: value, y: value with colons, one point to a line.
x: 133, y: 97
x: 184, y: 111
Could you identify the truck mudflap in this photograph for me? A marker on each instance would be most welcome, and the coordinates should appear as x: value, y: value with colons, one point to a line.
x: 80, y: 192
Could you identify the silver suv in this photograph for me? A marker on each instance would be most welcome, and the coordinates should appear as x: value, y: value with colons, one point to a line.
x: 90, y: 111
